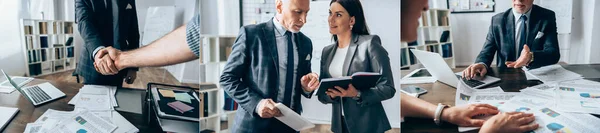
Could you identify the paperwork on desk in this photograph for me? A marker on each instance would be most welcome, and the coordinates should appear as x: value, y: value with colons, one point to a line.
x: 494, y: 96
x: 293, y: 119
x: 551, y: 74
x: 540, y: 102
x: 94, y: 113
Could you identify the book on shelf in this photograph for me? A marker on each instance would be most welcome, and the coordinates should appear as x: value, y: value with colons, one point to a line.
x: 28, y: 29
x: 431, y: 41
x: 445, y: 35
x: 403, y: 57
x: 43, y: 27
x: 412, y: 57
x: 414, y: 43
x: 69, y: 42
x: 35, y: 69
x: 68, y: 27
x: 447, y: 50
x: 424, y: 20
x: 70, y: 52
x: 230, y: 104
x: 44, y: 41
x: 43, y: 54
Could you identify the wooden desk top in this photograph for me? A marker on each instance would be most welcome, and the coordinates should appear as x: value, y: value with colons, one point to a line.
x: 28, y: 113
x: 513, y: 80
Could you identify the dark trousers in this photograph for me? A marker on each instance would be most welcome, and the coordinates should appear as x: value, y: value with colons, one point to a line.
x: 277, y: 126
x: 344, y: 126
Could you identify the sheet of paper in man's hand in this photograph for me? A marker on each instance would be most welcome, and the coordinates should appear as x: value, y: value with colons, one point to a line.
x: 293, y: 119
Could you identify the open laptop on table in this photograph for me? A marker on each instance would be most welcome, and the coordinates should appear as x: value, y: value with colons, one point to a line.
x: 37, y: 94
x: 438, y: 68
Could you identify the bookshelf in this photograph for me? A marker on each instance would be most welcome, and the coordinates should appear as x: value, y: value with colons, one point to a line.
x: 48, y: 46
x: 434, y: 34
x: 215, y: 50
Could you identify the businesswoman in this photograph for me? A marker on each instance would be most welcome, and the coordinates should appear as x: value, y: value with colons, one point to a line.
x: 355, y: 110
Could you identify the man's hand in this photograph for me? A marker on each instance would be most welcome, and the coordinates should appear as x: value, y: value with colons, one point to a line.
x: 310, y: 82
x: 341, y: 92
x: 473, y: 70
x: 131, y: 76
x: 511, y: 122
x: 106, y: 61
x: 267, y: 109
x: 523, y: 59
x: 463, y: 115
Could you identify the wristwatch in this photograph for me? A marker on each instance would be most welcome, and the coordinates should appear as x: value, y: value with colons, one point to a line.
x: 438, y: 112
x: 357, y: 97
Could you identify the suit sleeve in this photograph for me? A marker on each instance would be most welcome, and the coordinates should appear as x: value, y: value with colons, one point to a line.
x: 380, y: 62
x: 89, y: 32
x: 232, y: 80
x: 324, y: 98
x: 550, y: 54
x: 134, y: 32
x: 486, y: 56
x: 308, y: 69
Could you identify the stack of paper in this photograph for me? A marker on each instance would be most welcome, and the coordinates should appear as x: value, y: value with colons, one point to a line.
x: 551, y: 74
x: 94, y: 112
x: 494, y: 96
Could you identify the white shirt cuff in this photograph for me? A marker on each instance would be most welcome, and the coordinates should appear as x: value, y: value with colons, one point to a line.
x: 96, y: 51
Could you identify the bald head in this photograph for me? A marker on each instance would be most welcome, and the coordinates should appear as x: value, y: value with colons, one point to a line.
x: 292, y: 13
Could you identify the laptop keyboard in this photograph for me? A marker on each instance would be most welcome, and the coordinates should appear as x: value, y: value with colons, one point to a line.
x: 471, y: 83
x: 37, y: 94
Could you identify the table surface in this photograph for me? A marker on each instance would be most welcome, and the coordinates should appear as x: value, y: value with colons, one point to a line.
x: 28, y: 113
x: 513, y: 80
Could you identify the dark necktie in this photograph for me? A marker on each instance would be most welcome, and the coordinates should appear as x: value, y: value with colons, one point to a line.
x: 289, y: 75
x: 523, y: 36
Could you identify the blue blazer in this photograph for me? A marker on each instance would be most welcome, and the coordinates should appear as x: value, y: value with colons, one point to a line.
x: 251, y: 74
x: 501, y: 38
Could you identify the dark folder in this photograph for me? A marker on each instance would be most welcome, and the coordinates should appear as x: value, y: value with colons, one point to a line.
x: 360, y: 81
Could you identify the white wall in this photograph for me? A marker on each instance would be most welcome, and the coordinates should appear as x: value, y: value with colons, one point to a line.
x: 12, y: 59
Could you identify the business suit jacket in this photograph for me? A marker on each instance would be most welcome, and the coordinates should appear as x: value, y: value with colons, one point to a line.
x: 101, y: 26
x: 501, y: 38
x: 365, y: 54
x: 251, y: 74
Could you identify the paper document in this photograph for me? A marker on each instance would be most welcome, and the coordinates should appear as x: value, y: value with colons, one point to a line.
x: 84, y: 121
x: 166, y: 93
x: 578, y: 98
x: 184, y: 97
x: 6, y: 115
x: 293, y: 119
x: 33, y: 128
x: 553, y: 74
x: 550, y: 119
x: 494, y: 96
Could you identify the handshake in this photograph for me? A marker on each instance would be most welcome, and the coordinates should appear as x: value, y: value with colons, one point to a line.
x: 106, y: 62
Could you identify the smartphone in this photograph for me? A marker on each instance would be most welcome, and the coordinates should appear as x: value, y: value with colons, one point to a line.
x: 413, y: 90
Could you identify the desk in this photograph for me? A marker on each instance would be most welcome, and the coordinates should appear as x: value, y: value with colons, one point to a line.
x: 513, y: 80
x: 28, y: 113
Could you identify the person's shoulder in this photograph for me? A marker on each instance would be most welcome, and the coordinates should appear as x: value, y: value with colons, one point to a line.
x: 368, y: 38
x: 543, y: 11
x: 254, y: 27
x: 502, y: 15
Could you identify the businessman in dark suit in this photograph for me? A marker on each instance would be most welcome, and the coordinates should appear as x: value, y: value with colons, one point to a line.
x: 270, y: 63
x: 106, y: 24
x: 524, y: 35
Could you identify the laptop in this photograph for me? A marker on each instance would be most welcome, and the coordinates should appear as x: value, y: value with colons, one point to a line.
x: 38, y: 94
x: 438, y: 68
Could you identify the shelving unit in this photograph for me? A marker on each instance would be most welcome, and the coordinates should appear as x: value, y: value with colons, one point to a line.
x: 434, y: 35
x: 46, y: 46
x: 215, y: 50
